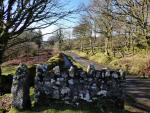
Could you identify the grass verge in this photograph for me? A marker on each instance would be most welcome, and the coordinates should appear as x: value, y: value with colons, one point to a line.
x: 135, y: 64
x: 8, y: 70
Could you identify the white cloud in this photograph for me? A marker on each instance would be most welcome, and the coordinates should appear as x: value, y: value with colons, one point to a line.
x: 48, y: 30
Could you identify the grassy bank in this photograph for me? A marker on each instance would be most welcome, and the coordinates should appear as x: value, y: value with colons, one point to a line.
x: 8, y: 70
x: 136, y: 64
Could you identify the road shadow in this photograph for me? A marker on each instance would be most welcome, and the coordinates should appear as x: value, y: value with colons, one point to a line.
x: 130, y: 100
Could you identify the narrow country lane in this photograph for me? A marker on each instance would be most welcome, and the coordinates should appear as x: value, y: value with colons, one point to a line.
x: 137, y: 90
x: 83, y: 61
x: 140, y: 90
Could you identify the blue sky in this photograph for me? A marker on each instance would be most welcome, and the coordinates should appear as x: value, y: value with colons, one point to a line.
x: 76, y: 3
x: 73, y: 4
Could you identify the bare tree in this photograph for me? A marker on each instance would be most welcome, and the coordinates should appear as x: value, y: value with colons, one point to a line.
x: 114, y: 18
x: 82, y: 31
x: 137, y: 16
x: 17, y: 16
x: 101, y: 12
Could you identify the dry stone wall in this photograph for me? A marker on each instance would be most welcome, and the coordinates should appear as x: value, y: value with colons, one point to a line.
x: 73, y: 86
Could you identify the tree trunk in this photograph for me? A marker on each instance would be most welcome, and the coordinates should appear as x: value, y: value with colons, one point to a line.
x: 1, y: 55
x: 91, y: 44
x: 81, y: 46
x: 0, y: 73
x: 107, y: 46
x: 129, y: 41
x: 133, y: 48
x: 114, y: 52
x: 3, y: 45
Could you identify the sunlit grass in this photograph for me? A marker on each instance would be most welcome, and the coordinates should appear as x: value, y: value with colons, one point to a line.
x: 135, y: 62
x: 47, y: 110
x: 8, y: 70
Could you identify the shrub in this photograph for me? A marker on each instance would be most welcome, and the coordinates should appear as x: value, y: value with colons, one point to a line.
x: 101, y: 58
x: 34, y: 52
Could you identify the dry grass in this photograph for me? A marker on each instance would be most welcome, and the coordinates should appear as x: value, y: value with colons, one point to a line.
x: 135, y: 63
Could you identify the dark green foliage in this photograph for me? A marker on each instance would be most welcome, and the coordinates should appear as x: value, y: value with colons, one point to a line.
x: 38, y: 38
x: 34, y: 52
x: 2, y: 111
x: 140, y: 46
x: 5, y: 84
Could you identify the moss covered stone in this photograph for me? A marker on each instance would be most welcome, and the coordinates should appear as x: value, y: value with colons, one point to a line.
x: 56, y: 60
x: 20, y: 88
